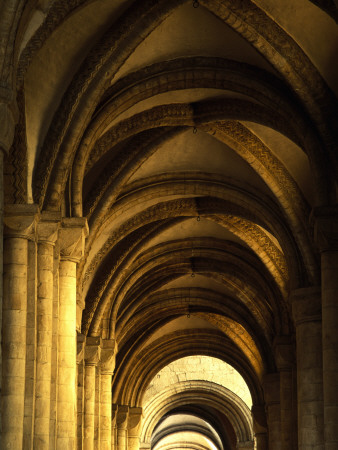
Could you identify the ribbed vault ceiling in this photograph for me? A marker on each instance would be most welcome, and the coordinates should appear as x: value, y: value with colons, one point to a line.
x: 191, y: 141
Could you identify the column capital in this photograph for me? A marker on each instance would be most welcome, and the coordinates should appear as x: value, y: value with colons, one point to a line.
x: 306, y: 304
x: 271, y: 388
x: 249, y: 445
x: 134, y: 420
x: 72, y: 236
x: 108, y: 356
x: 92, y: 351
x: 284, y: 350
x: 122, y: 414
x: 48, y: 227
x: 20, y: 220
x: 259, y: 419
x: 325, y: 220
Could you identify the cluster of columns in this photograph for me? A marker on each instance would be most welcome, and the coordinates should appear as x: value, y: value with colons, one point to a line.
x: 56, y: 383
x: 95, y: 367
x: 41, y: 252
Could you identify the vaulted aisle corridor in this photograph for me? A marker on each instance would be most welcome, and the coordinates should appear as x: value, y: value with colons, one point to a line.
x: 169, y: 174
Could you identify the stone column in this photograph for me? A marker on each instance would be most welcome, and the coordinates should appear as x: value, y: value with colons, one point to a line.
x: 271, y: 386
x: 108, y: 354
x: 20, y: 223
x: 260, y: 427
x: 326, y: 236
x: 134, y: 423
x: 122, y: 427
x: 71, y: 239
x: 92, y: 358
x: 113, y: 426
x: 306, y: 310
x: 81, y: 339
x: 285, y: 362
x: 46, y: 234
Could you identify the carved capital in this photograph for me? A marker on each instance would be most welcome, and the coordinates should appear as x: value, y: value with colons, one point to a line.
x: 72, y: 236
x: 48, y: 226
x: 113, y: 413
x: 20, y: 220
x: 122, y: 416
x: 248, y: 445
x: 92, y: 351
x: 134, y: 421
x: 259, y: 419
x: 284, y: 352
x: 108, y: 356
x: 306, y: 305
x: 271, y: 387
x: 326, y: 228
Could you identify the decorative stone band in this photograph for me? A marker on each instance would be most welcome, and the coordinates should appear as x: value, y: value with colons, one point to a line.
x: 7, y: 119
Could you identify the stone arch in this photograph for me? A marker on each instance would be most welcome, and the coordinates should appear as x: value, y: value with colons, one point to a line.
x: 230, y: 14
x: 132, y: 378
x: 181, y: 393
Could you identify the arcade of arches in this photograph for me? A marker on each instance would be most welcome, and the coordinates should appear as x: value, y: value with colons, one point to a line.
x: 169, y: 224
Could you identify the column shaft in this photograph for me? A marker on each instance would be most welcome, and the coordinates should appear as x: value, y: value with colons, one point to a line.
x: 20, y: 223
x: 284, y: 351
x: 326, y: 236
x: 31, y: 336
x: 44, y: 344
x: 306, y: 311
x: 271, y: 386
x: 89, y: 407
x: 286, y: 386
x: 121, y: 427
x: 106, y: 416
x: 14, y: 341
x: 66, y: 409
x: 330, y: 346
x: 262, y: 442
x: 134, y: 423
